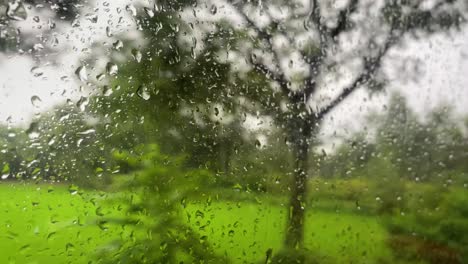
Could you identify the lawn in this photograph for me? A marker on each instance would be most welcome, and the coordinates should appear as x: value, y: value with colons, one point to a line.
x: 245, y: 231
x: 45, y: 224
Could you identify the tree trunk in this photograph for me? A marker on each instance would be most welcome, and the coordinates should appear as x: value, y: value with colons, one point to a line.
x: 296, y: 217
x: 224, y: 156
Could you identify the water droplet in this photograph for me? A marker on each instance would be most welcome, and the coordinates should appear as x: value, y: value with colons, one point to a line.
x: 193, y: 55
x: 200, y: 214
x: 258, y: 144
x: 118, y: 45
x: 36, y: 101
x: 33, y: 130
x: 100, y: 76
x: 73, y: 189
x: 69, y: 247
x: 203, y: 239
x: 87, y: 132
x: 51, y: 141
x: 99, y: 211
x: 36, y: 71
x: 149, y: 12
x: 25, y: 248
x: 175, y: 27
x: 131, y: 9
x: 51, y: 24
x: 137, y: 55
x: 306, y: 24
x: 253, y: 57
x: 92, y: 17
x: 183, y: 202
x: 16, y: 11
x: 81, y: 73
x: 106, y: 90
x: 108, y: 32
x: 158, y: 6
x: 54, y: 41
x: 50, y: 235
x: 82, y: 103
x: 112, y: 69
x: 103, y: 225
x: 163, y: 246
x: 75, y: 23
x: 143, y: 92
x: 38, y: 47
x: 214, y: 9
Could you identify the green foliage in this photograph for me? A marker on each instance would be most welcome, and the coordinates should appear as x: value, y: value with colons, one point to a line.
x: 156, y: 190
x: 435, y: 216
x: 388, y: 186
x: 431, y: 148
x: 414, y: 173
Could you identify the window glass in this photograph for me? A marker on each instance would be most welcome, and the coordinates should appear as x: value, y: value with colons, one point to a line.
x: 228, y: 131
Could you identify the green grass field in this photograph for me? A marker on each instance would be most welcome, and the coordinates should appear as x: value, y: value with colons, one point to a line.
x: 245, y: 231
x: 44, y: 224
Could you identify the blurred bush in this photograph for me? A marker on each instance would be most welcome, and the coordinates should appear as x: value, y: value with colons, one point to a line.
x: 155, y: 189
x: 434, y: 225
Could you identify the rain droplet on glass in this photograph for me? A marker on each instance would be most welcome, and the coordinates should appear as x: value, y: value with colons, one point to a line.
x: 112, y: 69
x: 16, y: 11
x: 36, y: 101
x: 137, y: 55
x: 143, y: 92
x: 81, y: 73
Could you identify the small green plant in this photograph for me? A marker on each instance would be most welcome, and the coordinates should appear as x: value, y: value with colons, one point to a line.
x: 154, y: 190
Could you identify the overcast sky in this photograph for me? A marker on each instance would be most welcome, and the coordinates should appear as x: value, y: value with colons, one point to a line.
x: 442, y: 79
x: 58, y: 81
x: 442, y: 64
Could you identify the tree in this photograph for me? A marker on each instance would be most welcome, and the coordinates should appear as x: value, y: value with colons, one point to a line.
x: 421, y: 147
x: 293, y: 96
x: 169, y: 184
x: 273, y: 59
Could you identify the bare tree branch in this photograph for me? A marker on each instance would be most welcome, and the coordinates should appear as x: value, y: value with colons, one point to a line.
x: 279, y: 77
x: 371, y: 66
x: 343, y: 19
x: 312, y: 63
x: 315, y: 61
x: 316, y: 17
